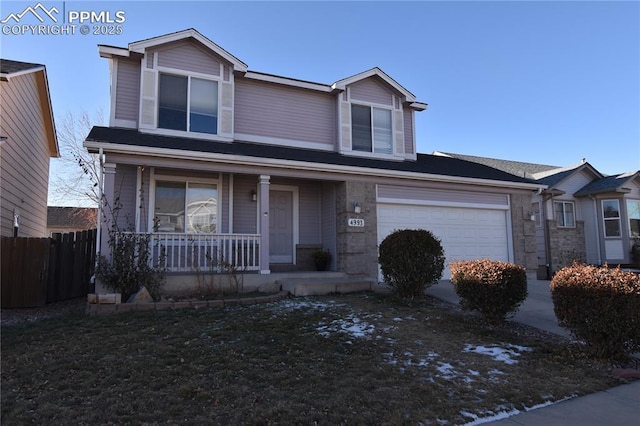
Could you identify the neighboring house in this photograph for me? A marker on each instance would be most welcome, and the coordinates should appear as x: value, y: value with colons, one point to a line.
x: 71, y: 219
x: 215, y: 160
x: 582, y: 215
x: 27, y: 142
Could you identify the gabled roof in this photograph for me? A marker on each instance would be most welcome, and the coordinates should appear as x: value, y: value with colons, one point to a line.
x: 72, y: 217
x: 427, y: 167
x: 10, y: 69
x: 553, y: 178
x: 139, y: 47
x: 613, y: 183
x: 517, y: 168
x: 408, y: 96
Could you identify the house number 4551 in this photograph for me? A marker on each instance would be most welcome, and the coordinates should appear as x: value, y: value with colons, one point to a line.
x: 358, y: 223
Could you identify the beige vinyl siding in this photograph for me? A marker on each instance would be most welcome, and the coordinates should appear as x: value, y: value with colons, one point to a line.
x: 127, y: 90
x: 275, y: 111
x: 244, y: 210
x: 409, y: 144
x: 125, y: 192
x: 24, y: 157
x: 441, y: 195
x: 371, y: 90
x: 188, y: 56
x: 310, y: 208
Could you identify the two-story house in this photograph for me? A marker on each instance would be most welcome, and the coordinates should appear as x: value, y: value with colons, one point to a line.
x: 217, y: 161
x: 27, y: 143
x: 581, y: 216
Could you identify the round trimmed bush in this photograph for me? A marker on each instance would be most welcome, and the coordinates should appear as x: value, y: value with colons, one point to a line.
x: 495, y: 289
x: 411, y: 260
x: 601, y: 306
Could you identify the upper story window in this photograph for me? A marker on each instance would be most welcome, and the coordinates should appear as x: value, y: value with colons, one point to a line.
x: 611, y: 217
x: 188, y: 103
x: 565, y: 214
x: 633, y: 210
x: 371, y: 129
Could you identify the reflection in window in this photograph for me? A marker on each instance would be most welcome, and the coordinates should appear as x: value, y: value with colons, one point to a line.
x: 611, y: 214
x: 633, y: 210
x: 564, y: 213
x: 200, y: 201
x: 188, y: 103
x: 371, y: 129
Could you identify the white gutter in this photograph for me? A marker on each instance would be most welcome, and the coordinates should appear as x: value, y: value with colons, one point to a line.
x: 302, y: 165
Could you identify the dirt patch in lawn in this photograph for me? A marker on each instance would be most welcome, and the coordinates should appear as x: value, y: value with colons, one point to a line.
x: 326, y: 360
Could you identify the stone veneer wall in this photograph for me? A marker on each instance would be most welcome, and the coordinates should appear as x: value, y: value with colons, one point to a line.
x: 566, y: 245
x: 524, y: 232
x: 357, y: 248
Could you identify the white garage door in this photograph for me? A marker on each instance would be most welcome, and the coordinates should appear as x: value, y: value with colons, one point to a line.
x: 465, y: 233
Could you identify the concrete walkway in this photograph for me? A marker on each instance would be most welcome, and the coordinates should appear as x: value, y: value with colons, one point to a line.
x: 616, y: 406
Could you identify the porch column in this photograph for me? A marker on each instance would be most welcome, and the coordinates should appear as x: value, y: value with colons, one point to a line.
x: 263, y: 189
x: 109, y: 179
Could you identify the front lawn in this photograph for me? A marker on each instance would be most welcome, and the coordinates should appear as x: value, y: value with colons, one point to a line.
x: 326, y: 360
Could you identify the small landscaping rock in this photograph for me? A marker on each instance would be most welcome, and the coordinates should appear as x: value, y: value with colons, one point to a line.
x: 141, y: 296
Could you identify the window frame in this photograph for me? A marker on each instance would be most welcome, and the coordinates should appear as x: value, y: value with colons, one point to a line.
x: 186, y: 180
x: 564, y: 214
x: 372, y: 107
x: 189, y: 76
x: 629, y: 218
x: 611, y: 219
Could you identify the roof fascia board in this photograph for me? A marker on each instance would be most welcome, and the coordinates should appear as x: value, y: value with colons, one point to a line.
x: 47, y: 112
x: 341, y: 84
x: 8, y: 76
x: 288, y: 81
x: 302, y: 165
x: 111, y: 51
x: 140, y: 46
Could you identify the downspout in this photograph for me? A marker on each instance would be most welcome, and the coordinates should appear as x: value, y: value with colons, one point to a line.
x: 597, y: 219
x: 547, y: 237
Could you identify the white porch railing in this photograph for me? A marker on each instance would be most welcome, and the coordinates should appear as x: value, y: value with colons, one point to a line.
x: 203, y: 252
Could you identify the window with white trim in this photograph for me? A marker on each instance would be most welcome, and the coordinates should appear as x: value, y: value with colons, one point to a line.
x: 371, y: 129
x: 633, y: 211
x: 565, y: 214
x: 535, y: 211
x: 611, y: 217
x: 188, y: 103
x: 190, y: 207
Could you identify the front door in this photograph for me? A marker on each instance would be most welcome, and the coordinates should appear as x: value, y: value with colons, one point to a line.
x: 280, y: 227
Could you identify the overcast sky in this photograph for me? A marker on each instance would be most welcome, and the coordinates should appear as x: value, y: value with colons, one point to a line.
x: 538, y: 81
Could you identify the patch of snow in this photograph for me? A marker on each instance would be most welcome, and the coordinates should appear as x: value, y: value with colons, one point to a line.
x: 498, y: 353
x: 352, y: 326
x: 477, y: 420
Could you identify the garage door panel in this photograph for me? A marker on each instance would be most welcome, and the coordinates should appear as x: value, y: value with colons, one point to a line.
x: 465, y: 233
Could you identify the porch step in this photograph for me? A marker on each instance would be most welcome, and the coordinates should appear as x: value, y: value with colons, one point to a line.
x: 322, y: 286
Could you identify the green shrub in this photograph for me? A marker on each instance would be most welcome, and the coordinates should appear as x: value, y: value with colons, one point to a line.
x: 600, y: 306
x: 411, y: 260
x: 493, y: 288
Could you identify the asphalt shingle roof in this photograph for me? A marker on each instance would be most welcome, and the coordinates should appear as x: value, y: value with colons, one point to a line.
x: 606, y: 184
x: 72, y: 217
x: 517, y: 168
x: 425, y: 163
x: 8, y: 66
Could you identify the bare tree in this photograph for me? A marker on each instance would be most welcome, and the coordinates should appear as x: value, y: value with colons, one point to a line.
x: 75, y: 175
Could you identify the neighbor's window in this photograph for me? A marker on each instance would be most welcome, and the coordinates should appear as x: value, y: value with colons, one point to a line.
x: 371, y: 129
x: 188, y: 103
x: 611, y: 214
x: 633, y: 211
x: 564, y: 212
x: 189, y: 206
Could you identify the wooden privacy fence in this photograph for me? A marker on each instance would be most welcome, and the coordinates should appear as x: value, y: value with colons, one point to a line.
x: 37, y: 271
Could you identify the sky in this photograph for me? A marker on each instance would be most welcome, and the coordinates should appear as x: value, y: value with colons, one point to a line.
x: 549, y: 82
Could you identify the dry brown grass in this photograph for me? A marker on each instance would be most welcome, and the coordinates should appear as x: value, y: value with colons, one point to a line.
x: 325, y: 360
